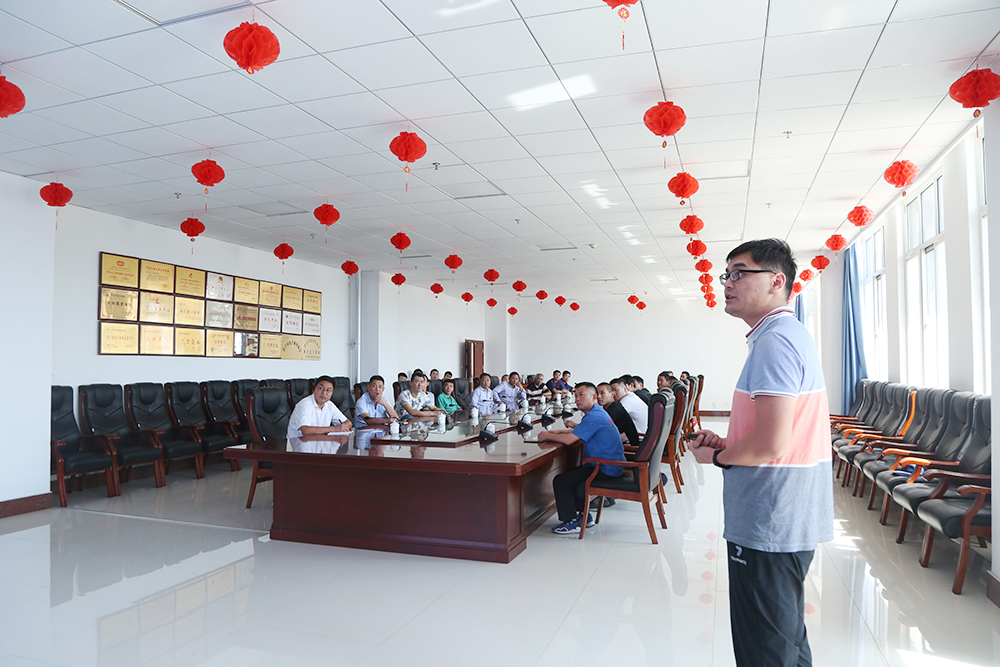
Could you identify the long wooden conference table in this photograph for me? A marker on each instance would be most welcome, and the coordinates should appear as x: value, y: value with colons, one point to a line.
x: 431, y: 490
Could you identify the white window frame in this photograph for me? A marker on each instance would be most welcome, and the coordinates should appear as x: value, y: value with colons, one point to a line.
x: 873, y: 281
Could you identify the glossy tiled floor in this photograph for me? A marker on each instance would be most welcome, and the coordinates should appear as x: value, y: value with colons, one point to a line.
x: 184, y: 575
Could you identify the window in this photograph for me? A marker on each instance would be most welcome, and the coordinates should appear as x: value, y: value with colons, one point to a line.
x: 871, y: 267
x: 926, y: 290
x: 987, y: 370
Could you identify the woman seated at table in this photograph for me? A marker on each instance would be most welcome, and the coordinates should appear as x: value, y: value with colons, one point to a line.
x: 446, y: 399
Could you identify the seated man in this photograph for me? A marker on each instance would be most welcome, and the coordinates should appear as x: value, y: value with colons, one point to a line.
x: 639, y: 388
x: 633, y: 405
x: 503, y: 378
x: 664, y: 380
x: 556, y: 386
x: 485, y: 399
x: 400, y: 377
x: 599, y: 441
x: 566, y: 383
x: 415, y: 402
x: 445, y: 400
x: 434, y: 374
x: 372, y: 409
x: 512, y: 392
x: 536, y: 390
x: 316, y: 414
x: 618, y: 414
x: 447, y: 375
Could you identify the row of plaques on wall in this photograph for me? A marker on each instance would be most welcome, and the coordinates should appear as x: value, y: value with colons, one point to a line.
x: 155, y: 339
x: 148, y: 307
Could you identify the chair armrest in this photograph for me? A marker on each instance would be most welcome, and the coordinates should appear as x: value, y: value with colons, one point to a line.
x: 56, y: 453
x: 620, y: 464
x: 966, y: 489
x: 107, y: 437
x: 958, y: 476
x: 150, y: 431
x: 912, y: 460
x: 895, y: 444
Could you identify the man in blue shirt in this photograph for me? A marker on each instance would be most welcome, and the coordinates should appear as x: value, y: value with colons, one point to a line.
x: 601, y: 441
x: 372, y: 408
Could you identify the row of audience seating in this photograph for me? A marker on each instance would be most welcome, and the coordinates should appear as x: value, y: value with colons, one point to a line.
x: 149, y: 423
x: 926, y: 450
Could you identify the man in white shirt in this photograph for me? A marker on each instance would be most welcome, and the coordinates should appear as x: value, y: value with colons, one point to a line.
x: 483, y: 398
x: 415, y: 402
x: 634, y: 406
x: 316, y: 414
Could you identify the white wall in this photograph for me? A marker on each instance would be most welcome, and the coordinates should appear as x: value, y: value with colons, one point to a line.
x: 831, y: 322
x: 27, y: 226
x: 991, y: 114
x: 603, y: 340
x: 83, y: 234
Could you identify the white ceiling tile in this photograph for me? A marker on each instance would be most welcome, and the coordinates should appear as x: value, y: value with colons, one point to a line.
x: 819, y: 52
x: 798, y: 145
x: 906, y: 10
x: 100, y: 151
x: 786, y: 165
x: 675, y: 25
x: 327, y: 26
x: 617, y: 110
x: 559, y: 143
x: 391, y: 64
x: 309, y: 78
x: 472, y: 51
x: 518, y: 186
x: 214, y: 132
x: 619, y: 75
x: 302, y: 172
x: 331, y: 143
x: 907, y: 81
x: 727, y: 98
x: 281, y: 121
x: 157, y: 169
x: 596, y: 32
x: 897, y: 113
x: 92, y: 118
x: 548, y: 118
x: 716, y: 128
x: 228, y: 92
x: 712, y: 64
x: 488, y: 150
x: 510, y: 169
x: 943, y: 38
x: 164, y: 57
x: 23, y: 40
x: 155, y: 105
x: 80, y: 72
x: 800, y: 121
x: 260, y: 153
x: 786, y: 17
x: 847, y: 141
x: 524, y: 87
x: 38, y: 94
x: 30, y: 126
x: 154, y: 141
x: 208, y: 33
x: 579, y: 163
x: 638, y: 158
x: 463, y: 127
x: 355, y: 110
x: 427, y: 16
x: 45, y: 158
x: 426, y: 100
x: 814, y: 90
x: 367, y: 163
x: 77, y: 22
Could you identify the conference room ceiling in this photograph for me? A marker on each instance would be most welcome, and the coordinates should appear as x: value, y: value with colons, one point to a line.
x: 538, y: 163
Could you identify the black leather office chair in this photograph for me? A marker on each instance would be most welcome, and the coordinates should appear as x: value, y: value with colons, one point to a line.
x: 71, y: 453
x: 435, y: 387
x: 268, y: 416
x: 102, y: 414
x: 342, y: 399
x: 217, y: 403
x: 146, y: 409
x: 298, y: 388
x: 240, y: 389
x: 184, y: 407
x: 463, y: 392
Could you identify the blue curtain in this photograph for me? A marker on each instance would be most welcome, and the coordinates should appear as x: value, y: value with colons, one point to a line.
x: 800, y: 312
x: 854, y: 367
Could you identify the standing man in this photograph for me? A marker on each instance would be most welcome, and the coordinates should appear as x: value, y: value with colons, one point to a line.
x: 600, y: 441
x: 778, y: 490
x: 372, y: 409
x: 316, y: 414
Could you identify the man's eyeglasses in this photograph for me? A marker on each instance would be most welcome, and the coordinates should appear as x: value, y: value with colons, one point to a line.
x: 738, y: 273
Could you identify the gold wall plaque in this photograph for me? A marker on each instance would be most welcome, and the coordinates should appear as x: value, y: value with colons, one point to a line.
x: 119, y: 304
x: 219, y: 343
x: 245, y: 318
x: 158, y: 308
x: 156, y: 276
x: 291, y: 298
x: 270, y: 346
x: 312, y: 302
x: 156, y: 340
x: 190, y: 312
x: 246, y: 290
x: 270, y: 294
x: 291, y: 347
x: 246, y: 344
x: 119, y: 338
x: 119, y: 271
x: 189, y: 281
x: 311, y: 349
x: 189, y: 342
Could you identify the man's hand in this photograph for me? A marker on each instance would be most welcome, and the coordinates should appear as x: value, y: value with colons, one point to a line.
x: 704, y: 446
x: 570, y: 423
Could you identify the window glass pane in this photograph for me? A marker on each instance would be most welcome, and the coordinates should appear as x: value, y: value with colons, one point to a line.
x: 913, y: 224
x: 929, y: 312
x: 914, y: 329
x: 987, y: 326
x: 928, y: 213
x: 940, y: 204
x: 879, y: 251
x: 940, y: 352
x: 881, y: 334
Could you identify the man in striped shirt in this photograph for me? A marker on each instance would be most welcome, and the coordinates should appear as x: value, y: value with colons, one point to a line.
x: 778, y: 490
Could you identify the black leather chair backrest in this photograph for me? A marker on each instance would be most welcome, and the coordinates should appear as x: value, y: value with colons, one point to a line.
x: 922, y: 414
x: 939, y: 407
x: 218, y: 400
x: 341, y: 398
x: 957, y: 435
x: 62, y: 425
x: 102, y: 411
x: 146, y: 406
x: 403, y: 386
x: 240, y: 389
x: 273, y: 382
x: 877, y: 402
x: 977, y: 458
x: 859, y: 398
x: 463, y: 394
x: 298, y: 388
x: 269, y: 413
x: 341, y: 381
x: 889, y: 415
x: 680, y: 390
x: 494, y: 382
x: 435, y: 387
x: 184, y: 402
x: 659, y: 419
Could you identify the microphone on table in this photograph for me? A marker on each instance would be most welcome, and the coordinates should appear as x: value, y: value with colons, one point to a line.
x: 524, y: 423
x: 488, y: 434
x: 547, y: 417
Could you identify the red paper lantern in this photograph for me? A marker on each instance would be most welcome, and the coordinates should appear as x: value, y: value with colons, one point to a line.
x: 541, y: 295
x: 641, y: 305
x: 633, y: 299
x: 192, y: 227
x: 56, y: 194
x: 453, y: 262
x: 252, y: 46
x: 976, y: 89
x: 11, y: 98
x: 860, y: 216
x: 705, y: 279
x: 820, y: 262
x: 400, y: 242
x: 806, y: 276
x: 664, y: 120
x: 697, y: 248
x: 491, y: 302
x: 326, y: 214
x: 349, y: 267
x: 398, y: 279
x: 491, y: 276
x: 707, y: 288
x: 560, y: 301
x: 519, y: 286
x: 283, y: 251
x: 796, y: 287
x: 901, y: 173
x: 708, y: 296
x: 437, y: 289
x: 836, y: 243
x: 703, y: 266
x: 512, y: 310
x: 408, y: 147
x: 467, y: 297
x: 683, y: 185
x: 692, y: 224
x: 574, y: 306
x: 208, y: 172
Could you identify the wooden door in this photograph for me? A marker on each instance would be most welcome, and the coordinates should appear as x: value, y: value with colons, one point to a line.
x: 473, y: 358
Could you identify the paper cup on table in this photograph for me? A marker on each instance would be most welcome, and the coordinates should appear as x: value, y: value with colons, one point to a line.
x: 394, y: 428
x: 474, y: 414
x: 441, y: 419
